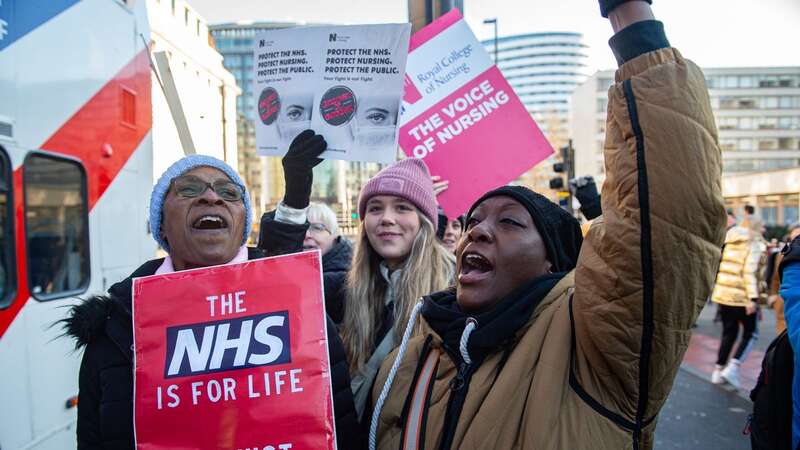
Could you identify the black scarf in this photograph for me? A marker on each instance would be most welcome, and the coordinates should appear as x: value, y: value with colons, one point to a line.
x: 496, y: 325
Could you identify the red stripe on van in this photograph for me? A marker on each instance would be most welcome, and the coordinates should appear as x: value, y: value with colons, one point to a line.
x: 105, y: 120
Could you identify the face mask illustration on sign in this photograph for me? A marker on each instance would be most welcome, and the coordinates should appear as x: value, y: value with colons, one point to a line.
x: 375, y: 124
x: 295, y: 116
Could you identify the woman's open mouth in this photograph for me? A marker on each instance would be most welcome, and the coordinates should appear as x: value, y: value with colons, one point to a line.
x: 474, y: 267
x: 210, y: 222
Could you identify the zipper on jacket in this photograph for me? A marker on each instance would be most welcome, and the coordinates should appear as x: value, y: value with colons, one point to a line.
x: 459, y: 386
x: 457, y: 383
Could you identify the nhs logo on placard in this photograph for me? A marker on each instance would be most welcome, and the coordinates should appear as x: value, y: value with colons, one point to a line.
x: 239, y: 343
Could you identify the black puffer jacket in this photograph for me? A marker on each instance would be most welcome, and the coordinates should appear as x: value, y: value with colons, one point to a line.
x: 105, y: 410
x: 335, y: 265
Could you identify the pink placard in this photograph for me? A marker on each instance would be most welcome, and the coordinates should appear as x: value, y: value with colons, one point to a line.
x: 463, y: 118
x: 233, y: 357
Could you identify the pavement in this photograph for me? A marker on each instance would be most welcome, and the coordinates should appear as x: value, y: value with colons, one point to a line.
x: 701, y: 415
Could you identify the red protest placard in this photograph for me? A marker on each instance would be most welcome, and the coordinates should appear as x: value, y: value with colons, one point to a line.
x: 233, y: 357
x: 462, y: 117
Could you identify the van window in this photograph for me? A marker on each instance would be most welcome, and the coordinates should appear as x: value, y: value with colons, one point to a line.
x: 56, y: 226
x: 8, y: 270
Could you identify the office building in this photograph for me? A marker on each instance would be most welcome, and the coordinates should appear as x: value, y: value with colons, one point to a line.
x: 757, y: 112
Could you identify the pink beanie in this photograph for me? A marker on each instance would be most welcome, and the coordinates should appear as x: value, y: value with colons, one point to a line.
x: 409, y: 179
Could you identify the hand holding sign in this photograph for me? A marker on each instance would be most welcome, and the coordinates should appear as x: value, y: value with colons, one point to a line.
x: 439, y: 186
x: 298, y: 165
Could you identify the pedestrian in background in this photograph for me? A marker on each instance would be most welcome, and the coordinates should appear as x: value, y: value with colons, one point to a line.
x: 749, y: 214
x: 337, y: 252
x: 739, y: 288
x: 731, y: 217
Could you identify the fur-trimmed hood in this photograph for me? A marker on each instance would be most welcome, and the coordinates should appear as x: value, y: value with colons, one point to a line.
x: 89, y: 320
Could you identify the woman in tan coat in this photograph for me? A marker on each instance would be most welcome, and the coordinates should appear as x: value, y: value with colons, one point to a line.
x: 538, y: 348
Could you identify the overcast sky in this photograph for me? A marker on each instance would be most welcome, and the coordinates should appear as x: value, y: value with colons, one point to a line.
x: 714, y: 33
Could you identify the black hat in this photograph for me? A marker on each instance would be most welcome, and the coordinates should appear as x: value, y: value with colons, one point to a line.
x: 560, y: 231
x: 441, y: 227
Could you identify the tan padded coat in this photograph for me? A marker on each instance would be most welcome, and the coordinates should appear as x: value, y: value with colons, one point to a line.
x: 595, y: 363
x: 741, y: 272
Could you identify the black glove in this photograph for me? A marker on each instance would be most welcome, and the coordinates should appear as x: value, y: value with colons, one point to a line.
x: 791, y: 253
x: 585, y: 190
x: 606, y: 6
x: 302, y: 157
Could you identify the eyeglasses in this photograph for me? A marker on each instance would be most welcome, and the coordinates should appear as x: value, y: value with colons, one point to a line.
x: 318, y: 227
x: 189, y: 186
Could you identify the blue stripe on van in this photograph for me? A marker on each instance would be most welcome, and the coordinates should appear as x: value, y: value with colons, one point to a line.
x: 20, y: 17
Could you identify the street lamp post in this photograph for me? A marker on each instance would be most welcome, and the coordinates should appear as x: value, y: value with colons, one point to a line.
x: 493, y: 22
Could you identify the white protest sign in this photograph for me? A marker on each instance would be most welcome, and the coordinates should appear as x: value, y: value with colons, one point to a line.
x: 285, y: 68
x: 344, y: 82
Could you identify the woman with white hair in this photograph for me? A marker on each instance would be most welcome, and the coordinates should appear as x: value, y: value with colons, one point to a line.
x: 337, y: 252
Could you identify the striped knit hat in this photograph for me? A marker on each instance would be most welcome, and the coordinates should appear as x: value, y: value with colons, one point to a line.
x: 179, y: 168
x: 408, y: 179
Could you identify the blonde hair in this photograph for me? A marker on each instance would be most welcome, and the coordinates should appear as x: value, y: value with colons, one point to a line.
x: 322, y: 213
x: 428, y: 268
